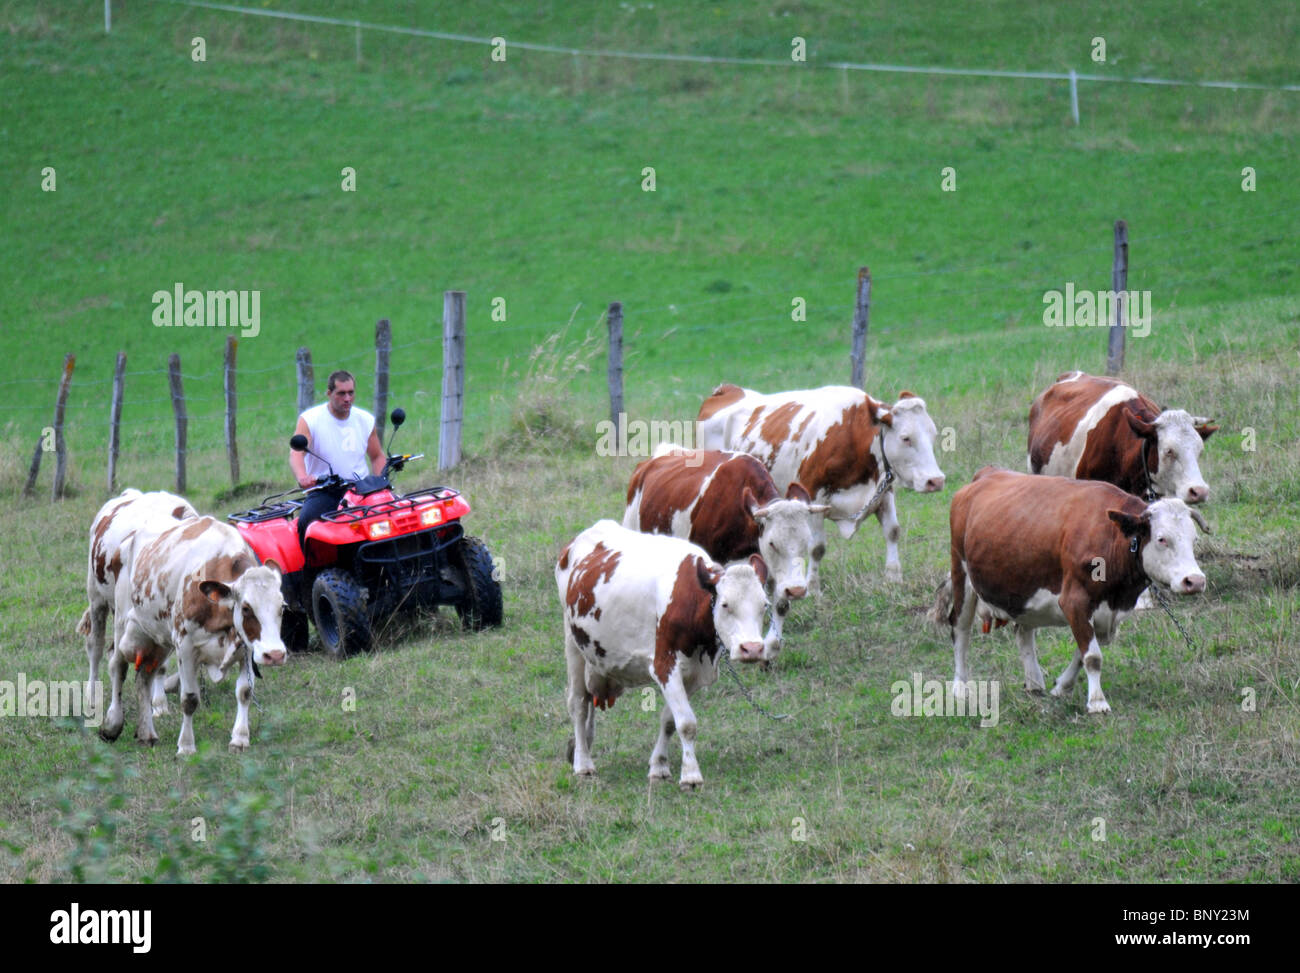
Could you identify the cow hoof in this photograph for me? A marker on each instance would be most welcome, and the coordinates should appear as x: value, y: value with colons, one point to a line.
x: 1033, y: 690
x: 568, y: 751
x: 692, y: 785
x: 185, y: 751
x: 146, y: 740
x: 958, y: 689
x: 660, y: 773
x: 893, y: 573
x: 1099, y: 707
x: 238, y: 747
x: 109, y: 735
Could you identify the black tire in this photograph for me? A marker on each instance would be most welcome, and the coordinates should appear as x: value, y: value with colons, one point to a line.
x: 481, y: 607
x: 342, y: 621
x: 294, y: 631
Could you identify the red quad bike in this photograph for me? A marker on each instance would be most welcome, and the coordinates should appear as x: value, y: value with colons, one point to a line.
x: 377, y: 554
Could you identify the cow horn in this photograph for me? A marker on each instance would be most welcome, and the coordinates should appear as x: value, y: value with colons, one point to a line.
x: 1200, y: 520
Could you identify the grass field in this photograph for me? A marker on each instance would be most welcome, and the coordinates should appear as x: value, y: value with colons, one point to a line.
x: 522, y: 180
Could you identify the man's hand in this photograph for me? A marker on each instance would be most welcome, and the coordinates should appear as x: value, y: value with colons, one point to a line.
x: 306, y: 481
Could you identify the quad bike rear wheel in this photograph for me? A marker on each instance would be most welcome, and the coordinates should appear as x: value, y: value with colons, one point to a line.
x: 481, y: 606
x: 342, y: 621
x: 294, y: 631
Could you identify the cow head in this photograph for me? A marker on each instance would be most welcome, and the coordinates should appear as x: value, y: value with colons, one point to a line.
x: 1165, y: 531
x: 785, y: 540
x: 738, y: 605
x: 255, y: 604
x: 1178, y: 440
x: 907, y: 437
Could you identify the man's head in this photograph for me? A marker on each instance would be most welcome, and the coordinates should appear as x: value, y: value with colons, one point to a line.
x: 342, y: 391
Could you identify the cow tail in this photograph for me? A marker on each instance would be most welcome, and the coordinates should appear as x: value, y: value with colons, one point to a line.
x: 84, y: 625
x: 940, y: 613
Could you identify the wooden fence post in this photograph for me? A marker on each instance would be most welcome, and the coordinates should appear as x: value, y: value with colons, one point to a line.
x: 614, y: 318
x: 306, y: 380
x: 115, y: 420
x: 1119, y: 284
x: 60, y: 446
x: 383, y: 346
x: 232, y: 446
x: 453, y: 378
x: 182, y: 420
x: 861, y: 317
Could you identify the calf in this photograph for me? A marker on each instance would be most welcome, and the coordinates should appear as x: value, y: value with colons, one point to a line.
x: 842, y: 445
x: 1045, y: 550
x: 196, y: 589
x: 1092, y: 428
x: 727, y: 504
x: 122, y: 526
x: 643, y: 609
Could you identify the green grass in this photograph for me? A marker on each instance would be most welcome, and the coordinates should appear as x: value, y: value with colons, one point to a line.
x: 522, y: 180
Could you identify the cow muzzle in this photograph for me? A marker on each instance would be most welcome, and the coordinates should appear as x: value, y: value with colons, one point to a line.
x: 1191, y: 584
x: 1196, y: 494
x: 932, y: 484
x: 269, y: 655
x: 751, y: 651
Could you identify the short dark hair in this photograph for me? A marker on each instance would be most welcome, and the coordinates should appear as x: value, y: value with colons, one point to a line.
x: 340, y: 376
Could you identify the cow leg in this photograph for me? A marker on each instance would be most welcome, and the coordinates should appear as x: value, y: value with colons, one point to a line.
x: 159, y: 694
x: 772, y: 641
x: 144, y: 731
x: 581, y: 710
x: 961, y: 618
x: 98, y: 619
x: 1074, y: 604
x: 683, y: 716
x: 113, y: 720
x: 888, y: 517
x: 1029, y: 659
x: 189, y: 696
x: 239, y: 736
x: 659, y: 769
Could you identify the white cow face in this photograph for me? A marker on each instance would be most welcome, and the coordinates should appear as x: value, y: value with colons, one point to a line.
x: 908, y: 440
x: 1169, y: 527
x: 786, y: 535
x: 1180, y: 438
x: 738, y: 609
x: 256, y: 604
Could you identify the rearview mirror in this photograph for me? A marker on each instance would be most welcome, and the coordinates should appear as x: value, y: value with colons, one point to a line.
x: 298, y: 443
x: 398, y: 417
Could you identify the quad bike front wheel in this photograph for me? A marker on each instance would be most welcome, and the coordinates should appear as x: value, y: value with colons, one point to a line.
x: 342, y: 621
x: 481, y: 606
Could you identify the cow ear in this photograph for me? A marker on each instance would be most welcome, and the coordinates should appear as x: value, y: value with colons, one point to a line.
x: 905, y: 394
x: 1205, y: 430
x: 760, y: 568
x: 214, y: 591
x: 749, y: 504
x: 884, y: 416
x: 796, y: 491
x: 1142, y: 427
x: 1200, y: 521
x: 274, y: 565
x: 709, y: 574
x: 1129, y: 524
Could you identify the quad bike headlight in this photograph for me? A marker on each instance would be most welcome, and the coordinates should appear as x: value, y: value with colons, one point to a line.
x: 381, y: 528
x: 430, y: 515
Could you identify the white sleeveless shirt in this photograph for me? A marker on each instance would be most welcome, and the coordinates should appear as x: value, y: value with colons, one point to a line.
x: 340, y: 442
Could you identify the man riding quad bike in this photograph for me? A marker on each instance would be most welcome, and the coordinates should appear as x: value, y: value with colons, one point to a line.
x: 376, y: 554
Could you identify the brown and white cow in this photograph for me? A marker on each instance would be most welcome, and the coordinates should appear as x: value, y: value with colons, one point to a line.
x: 644, y: 609
x: 1047, y: 551
x: 839, y: 443
x: 123, y: 525
x: 727, y: 503
x: 197, y: 590
x: 1093, y: 428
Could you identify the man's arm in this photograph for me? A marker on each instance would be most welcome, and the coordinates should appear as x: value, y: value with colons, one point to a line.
x: 298, y: 461
x: 376, y: 453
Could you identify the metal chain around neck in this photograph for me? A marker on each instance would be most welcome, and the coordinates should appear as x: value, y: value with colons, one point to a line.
x: 725, y: 658
x: 1159, y: 596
